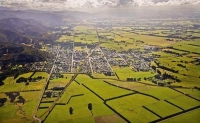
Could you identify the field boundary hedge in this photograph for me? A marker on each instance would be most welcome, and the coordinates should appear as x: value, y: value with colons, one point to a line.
x: 152, y: 111
x: 120, y: 96
x: 176, y: 114
x: 74, y: 96
x: 133, y: 91
x: 77, y: 82
x: 174, y: 105
x: 93, y: 92
x: 117, y: 76
x: 117, y: 113
x: 47, y: 102
x: 185, y: 94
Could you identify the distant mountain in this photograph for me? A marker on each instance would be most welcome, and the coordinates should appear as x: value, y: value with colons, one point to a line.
x: 13, y: 36
x: 15, y: 30
x: 66, y: 4
x: 49, y: 18
x: 29, y: 27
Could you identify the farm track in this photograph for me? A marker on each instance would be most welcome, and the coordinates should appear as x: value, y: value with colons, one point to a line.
x: 76, y: 74
x: 45, y: 87
x: 56, y: 100
x: 176, y: 114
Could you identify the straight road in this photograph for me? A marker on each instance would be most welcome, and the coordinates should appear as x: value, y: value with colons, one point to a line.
x: 47, y: 83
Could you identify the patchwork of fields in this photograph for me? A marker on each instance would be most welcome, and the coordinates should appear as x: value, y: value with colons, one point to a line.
x: 113, y: 74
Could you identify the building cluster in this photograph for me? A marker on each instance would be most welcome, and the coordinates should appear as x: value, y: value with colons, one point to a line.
x: 63, y: 61
x: 80, y: 61
x: 95, y: 60
x: 99, y: 62
x: 115, y: 59
x: 136, y: 59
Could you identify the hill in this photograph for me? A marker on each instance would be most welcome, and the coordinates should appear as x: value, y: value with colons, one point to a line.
x: 27, y: 26
x: 13, y: 53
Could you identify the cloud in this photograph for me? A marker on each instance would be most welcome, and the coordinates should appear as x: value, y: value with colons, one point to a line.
x: 66, y: 4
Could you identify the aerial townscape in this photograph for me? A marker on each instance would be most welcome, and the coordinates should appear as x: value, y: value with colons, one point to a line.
x: 99, y: 61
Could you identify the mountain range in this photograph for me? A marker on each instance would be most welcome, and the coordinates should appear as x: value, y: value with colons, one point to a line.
x: 66, y: 4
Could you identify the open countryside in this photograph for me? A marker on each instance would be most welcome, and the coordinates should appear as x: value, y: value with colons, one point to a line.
x: 111, y: 70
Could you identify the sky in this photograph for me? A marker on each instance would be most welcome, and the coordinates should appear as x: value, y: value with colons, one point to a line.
x: 67, y: 4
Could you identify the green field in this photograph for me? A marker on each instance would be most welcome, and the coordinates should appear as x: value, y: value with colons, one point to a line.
x: 98, y: 85
x: 131, y: 107
x: 159, y: 92
x: 185, y: 46
x: 18, y: 112
x: 190, y: 117
x: 163, y: 109
x: 184, y: 102
x: 11, y: 85
x: 65, y: 38
x: 126, y: 72
x: 56, y: 82
x: 192, y: 92
x: 79, y: 106
x: 177, y: 47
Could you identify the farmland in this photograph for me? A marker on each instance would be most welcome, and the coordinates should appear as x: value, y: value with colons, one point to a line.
x: 114, y: 72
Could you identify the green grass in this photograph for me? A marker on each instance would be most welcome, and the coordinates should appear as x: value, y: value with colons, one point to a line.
x: 80, y: 107
x: 45, y: 104
x: 159, y: 92
x: 60, y: 81
x: 40, y: 112
x: 126, y: 72
x: 65, y: 38
x: 11, y: 80
x: 11, y: 85
x: 192, y: 92
x: 26, y: 75
x: 86, y: 39
x: 30, y: 96
x: 101, y: 88
x: 184, y: 102
x: 184, y: 46
x: 186, y: 81
x: 120, y: 46
x: 131, y: 108
x: 151, y: 40
x: 163, y: 109
x: 190, y: 117
x: 22, y: 87
x: 29, y: 107
x: 43, y: 74
x: 10, y: 111
x: 96, y: 75
x: 172, y: 62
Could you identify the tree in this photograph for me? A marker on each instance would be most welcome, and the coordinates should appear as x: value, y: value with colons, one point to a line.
x: 21, y: 79
x: 153, y: 67
x: 71, y: 110
x: 16, y: 75
x: 1, y: 82
x: 27, y: 83
x: 90, y: 107
x: 139, y: 79
x: 2, y: 77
